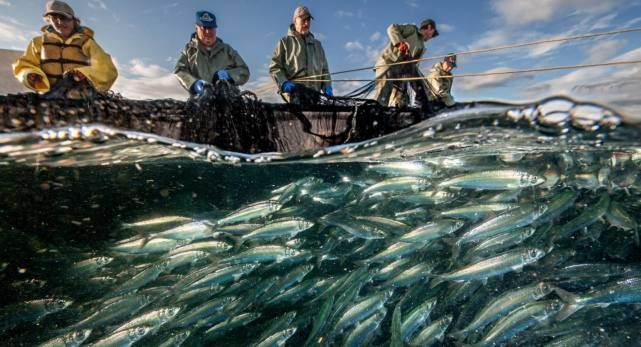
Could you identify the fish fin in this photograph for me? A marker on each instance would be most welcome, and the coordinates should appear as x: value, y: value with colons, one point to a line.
x: 484, y: 281
x: 567, y: 311
x: 237, y: 241
x: 567, y: 297
x: 458, y: 335
x: 435, y: 282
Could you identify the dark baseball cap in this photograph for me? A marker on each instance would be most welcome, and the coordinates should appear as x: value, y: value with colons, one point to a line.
x: 206, y: 19
x: 451, y: 58
x: 430, y: 22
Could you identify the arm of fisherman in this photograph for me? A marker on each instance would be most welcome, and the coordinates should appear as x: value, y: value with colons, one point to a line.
x: 29, y: 63
x: 101, y: 70
x: 239, y: 71
x: 276, y: 66
x: 183, y: 71
x: 324, y: 70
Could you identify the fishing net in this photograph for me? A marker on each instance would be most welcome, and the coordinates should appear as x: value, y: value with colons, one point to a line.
x: 223, y: 116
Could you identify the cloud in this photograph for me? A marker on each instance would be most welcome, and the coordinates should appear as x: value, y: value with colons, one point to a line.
x: 376, y: 36
x: 354, y: 45
x: 364, y: 54
x: 412, y: 3
x: 525, y: 13
x: 12, y: 32
x: 604, y: 50
x: 477, y: 83
x: 138, y: 68
x: 320, y: 36
x: 140, y: 81
x: 97, y: 4
x: 5, y: 3
x: 344, y: 14
x: 446, y: 28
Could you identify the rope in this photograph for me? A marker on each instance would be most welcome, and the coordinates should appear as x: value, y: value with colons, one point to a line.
x: 553, y: 68
x: 269, y: 86
x: 485, y: 50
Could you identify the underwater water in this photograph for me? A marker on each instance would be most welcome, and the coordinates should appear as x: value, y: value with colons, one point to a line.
x: 487, y: 226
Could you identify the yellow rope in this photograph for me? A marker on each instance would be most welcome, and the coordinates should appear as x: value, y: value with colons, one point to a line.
x: 481, y: 74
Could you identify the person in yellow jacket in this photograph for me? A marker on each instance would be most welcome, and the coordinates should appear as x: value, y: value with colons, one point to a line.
x: 407, y: 42
x: 64, y: 47
x: 298, y: 55
x: 439, y: 83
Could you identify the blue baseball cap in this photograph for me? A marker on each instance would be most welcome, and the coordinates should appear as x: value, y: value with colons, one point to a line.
x: 206, y: 19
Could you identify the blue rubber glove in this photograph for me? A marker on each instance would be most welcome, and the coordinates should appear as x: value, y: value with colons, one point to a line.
x: 198, y: 87
x: 329, y: 91
x: 287, y: 86
x: 223, y: 75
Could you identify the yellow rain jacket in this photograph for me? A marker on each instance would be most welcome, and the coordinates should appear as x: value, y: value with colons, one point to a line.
x: 297, y: 56
x: 50, y: 57
x: 440, y: 89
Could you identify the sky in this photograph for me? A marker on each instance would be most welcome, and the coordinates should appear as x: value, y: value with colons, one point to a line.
x: 145, y: 37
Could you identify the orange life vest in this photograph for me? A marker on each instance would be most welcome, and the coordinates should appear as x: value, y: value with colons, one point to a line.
x: 58, y: 57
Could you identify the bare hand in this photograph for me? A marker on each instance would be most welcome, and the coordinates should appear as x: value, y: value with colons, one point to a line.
x: 34, y: 78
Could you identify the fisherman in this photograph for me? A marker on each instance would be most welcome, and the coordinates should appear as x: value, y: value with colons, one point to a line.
x: 439, y: 83
x: 407, y: 43
x: 300, y: 55
x: 206, y: 59
x: 65, y: 50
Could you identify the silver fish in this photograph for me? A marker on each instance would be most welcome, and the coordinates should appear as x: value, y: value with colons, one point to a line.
x: 190, y: 231
x: 262, y: 254
x: 123, y: 338
x: 157, y: 222
x: 433, y: 332
x: 432, y: 231
x: 251, y: 212
x: 416, y: 318
x: 364, y: 332
x: 523, y: 216
x: 504, y: 304
x: 521, y: 319
x: 277, y: 339
x: 498, y: 265
x: 72, y: 339
x: 277, y: 229
x: 397, y: 185
x: 494, y: 180
x: 153, y: 319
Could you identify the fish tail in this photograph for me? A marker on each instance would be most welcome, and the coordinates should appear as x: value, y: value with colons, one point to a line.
x: 572, y: 304
x: 460, y: 335
x: 567, y: 311
x: 567, y: 297
x: 435, y: 282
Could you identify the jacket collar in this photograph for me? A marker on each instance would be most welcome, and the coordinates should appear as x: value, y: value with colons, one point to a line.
x: 218, y: 45
x: 292, y: 32
x: 48, y: 29
x: 439, y: 67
